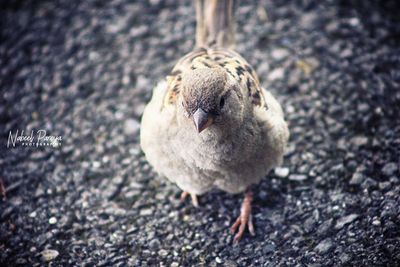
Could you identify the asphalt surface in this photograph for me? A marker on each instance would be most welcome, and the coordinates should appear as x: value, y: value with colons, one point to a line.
x: 83, y: 70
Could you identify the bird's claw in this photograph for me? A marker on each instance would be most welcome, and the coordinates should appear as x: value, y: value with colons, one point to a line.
x: 245, y: 219
x: 195, y: 201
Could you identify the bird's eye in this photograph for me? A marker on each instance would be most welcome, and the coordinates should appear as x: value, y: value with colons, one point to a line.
x: 222, y: 102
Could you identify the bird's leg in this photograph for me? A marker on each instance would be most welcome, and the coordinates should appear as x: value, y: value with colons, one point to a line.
x: 195, y: 201
x: 245, y: 217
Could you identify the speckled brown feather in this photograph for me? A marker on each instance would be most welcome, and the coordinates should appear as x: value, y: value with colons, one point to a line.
x: 236, y: 66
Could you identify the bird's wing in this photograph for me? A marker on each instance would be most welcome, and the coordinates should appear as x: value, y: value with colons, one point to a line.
x: 232, y: 62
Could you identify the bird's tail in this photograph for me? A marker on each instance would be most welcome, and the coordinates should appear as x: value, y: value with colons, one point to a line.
x: 215, y: 23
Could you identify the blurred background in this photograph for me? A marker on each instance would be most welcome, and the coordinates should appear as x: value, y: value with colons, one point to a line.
x: 83, y: 70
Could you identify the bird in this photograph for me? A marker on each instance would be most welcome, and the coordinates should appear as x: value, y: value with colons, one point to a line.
x: 210, y: 124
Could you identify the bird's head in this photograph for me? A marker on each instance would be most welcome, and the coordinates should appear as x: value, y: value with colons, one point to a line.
x: 209, y: 97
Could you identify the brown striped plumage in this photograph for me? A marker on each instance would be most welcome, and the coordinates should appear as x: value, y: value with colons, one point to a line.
x: 236, y: 66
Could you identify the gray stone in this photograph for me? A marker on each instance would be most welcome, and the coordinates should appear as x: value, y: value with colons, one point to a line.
x: 131, y: 126
x: 359, y: 140
x: 163, y: 253
x: 357, y: 179
x: 281, y: 172
x: 324, y: 246
x: 276, y: 74
x: 297, y: 177
x: 53, y: 220
x: 390, y: 168
x: 49, y: 254
x: 280, y: 53
x: 345, y: 220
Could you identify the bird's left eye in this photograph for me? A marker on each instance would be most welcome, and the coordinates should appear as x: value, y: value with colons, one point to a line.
x: 222, y: 102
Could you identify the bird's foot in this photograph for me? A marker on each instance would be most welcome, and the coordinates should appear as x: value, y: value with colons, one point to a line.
x: 244, y: 219
x: 195, y: 201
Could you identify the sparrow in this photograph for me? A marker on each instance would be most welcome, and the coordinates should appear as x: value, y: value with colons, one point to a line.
x: 210, y: 124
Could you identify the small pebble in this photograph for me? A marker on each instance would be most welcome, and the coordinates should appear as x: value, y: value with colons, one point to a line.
x: 125, y: 80
x: 389, y: 168
x: 359, y: 140
x: 356, y: 179
x: 279, y: 53
x: 162, y: 253
x: 131, y: 126
x: 53, y: 220
x: 276, y: 74
x: 297, y: 177
x: 345, y: 220
x: 324, y: 246
x: 146, y: 212
x: 96, y: 164
x: 376, y: 222
x: 281, y: 172
x: 49, y: 254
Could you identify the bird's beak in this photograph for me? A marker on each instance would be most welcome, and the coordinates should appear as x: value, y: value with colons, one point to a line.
x: 202, y: 120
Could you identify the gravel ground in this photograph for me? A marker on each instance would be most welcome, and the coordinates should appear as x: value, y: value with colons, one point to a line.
x: 84, y: 70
